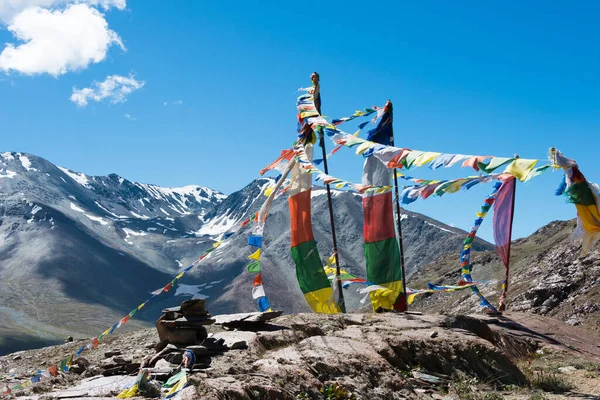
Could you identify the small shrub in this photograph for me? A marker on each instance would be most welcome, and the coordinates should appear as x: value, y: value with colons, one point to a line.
x: 551, y: 383
x: 537, y: 396
x: 335, y: 391
x: 492, y: 396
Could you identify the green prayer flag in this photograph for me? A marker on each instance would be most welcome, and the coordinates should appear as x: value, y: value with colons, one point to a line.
x: 254, y: 267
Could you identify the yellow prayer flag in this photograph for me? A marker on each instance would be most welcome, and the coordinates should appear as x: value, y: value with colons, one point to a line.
x: 356, y: 133
x: 127, y: 393
x: 217, y: 244
x: 268, y: 191
x: 425, y: 158
x: 255, y: 255
x: 180, y: 275
x: 520, y: 168
x: 331, y: 260
x: 364, y: 147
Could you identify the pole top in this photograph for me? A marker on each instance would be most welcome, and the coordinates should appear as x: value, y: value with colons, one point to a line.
x: 314, y: 78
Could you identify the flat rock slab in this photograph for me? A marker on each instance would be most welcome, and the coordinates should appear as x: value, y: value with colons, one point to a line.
x: 94, y: 387
x: 236, y: 340
x: 245, y: 319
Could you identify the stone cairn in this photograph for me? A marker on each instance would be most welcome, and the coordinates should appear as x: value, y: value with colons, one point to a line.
x: 184, y: 328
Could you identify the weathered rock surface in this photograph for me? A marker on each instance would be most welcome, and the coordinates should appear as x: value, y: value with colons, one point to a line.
x: 372, y: 356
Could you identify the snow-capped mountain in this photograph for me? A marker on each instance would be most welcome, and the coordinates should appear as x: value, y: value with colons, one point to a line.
x: 78, y: 251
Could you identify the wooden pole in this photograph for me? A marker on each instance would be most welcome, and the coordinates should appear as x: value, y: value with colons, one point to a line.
x: 317, y: 96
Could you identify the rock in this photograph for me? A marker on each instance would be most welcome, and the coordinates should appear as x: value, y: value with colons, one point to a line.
x: 17, y: 357
x: 433, y: 334
x: 573, y: 321
x: 203, y: 351
x: 123, y: 369
x: 115, y: 361
x: 188, y: 393
x: 567, y: 370
x: 163, y: 364
x: 196, y: 307
x: 112, y: 353
x: 246, y: 320
x: 79, y: 365
x: 237, y: 339
x: 96, y: 387
x: 184, y: 324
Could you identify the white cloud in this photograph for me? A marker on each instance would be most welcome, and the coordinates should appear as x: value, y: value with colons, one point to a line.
x: 115, y: 89
x: 10, y: 8
x: 175, y: 103
x: 59, y: 41
x: 129, y: 117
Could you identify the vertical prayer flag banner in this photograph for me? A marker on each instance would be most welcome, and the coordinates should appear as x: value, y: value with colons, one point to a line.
x: 382, y: 254
x: 504, y: 208
x: 309, y: 269
x: 584, y: 195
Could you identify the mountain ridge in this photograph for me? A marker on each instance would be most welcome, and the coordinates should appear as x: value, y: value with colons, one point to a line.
x: 81, y: 241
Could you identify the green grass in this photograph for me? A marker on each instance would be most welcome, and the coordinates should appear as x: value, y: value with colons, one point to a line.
x: 550, y: 382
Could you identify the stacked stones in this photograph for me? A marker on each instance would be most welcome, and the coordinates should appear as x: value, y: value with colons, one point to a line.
x: 184, y: 325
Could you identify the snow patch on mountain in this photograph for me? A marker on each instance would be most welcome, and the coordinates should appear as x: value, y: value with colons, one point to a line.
x: 97, y: 219
x: 6, y: 173
x: 74, y: 207
x: 439, y: 227
x: 78, y: 177
x: 7, y: 156
x: 26, y: 163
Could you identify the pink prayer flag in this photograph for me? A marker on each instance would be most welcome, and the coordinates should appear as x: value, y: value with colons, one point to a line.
x: 503, y: 218
x: 474, y: 161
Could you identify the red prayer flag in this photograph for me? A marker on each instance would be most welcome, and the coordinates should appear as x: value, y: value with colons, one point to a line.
x: 53, y: 370
x: 258, y: 280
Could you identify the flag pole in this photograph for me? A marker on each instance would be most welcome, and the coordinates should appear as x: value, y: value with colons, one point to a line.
x: 401, y: 303
x: 317, y: 96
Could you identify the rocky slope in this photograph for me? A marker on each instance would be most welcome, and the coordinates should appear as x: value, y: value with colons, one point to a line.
x: 79, y: 251
x: 364, y: 356
x: 547, y: 277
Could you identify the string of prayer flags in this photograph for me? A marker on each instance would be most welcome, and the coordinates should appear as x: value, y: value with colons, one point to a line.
x: 465, y: 255
x: 395, y: 157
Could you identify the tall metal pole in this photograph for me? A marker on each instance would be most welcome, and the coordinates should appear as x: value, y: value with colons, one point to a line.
x: 401, y: 303
x: 317, y: 96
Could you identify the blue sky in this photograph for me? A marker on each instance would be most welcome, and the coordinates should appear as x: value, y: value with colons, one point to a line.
x: 467, y: 77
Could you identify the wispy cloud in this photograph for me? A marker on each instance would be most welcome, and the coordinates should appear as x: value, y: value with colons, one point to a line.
x: 114, y: 88
x: 174, y: 103
x: 129, y: 117
x: 57, y: 36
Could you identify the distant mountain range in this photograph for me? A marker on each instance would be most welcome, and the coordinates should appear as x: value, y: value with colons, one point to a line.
x: 77, y: 252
